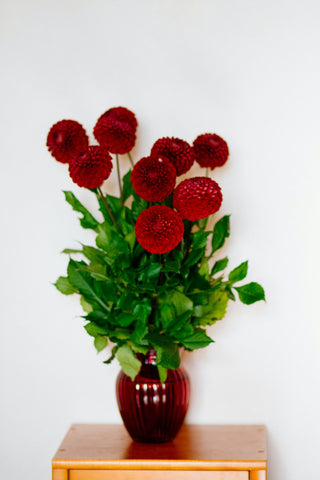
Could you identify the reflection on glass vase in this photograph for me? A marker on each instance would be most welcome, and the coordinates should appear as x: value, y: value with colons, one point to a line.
x: 153, y: 412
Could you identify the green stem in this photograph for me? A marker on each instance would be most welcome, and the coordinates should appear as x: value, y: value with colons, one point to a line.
x: 119, y: 178
x: 109, y: 210
x: 130, y: 158
x: 207, y: 172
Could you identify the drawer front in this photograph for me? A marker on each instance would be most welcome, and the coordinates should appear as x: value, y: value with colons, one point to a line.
x: 155, y: 475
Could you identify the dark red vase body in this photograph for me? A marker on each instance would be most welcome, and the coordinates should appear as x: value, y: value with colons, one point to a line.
x: 153, y: 412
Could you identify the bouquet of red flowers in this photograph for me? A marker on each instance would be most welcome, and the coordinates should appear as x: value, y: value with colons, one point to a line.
x: 149, y: 282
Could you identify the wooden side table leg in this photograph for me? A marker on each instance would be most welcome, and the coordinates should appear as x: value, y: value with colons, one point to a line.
x: 258, y: 475
x: 60, y: 474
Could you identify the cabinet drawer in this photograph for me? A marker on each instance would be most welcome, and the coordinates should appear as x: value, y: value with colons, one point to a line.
x: 155, y: 475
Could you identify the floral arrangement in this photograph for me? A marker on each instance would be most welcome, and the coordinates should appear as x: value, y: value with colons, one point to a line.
x: 148, y: 283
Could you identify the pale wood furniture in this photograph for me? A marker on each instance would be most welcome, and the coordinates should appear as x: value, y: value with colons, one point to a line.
x: 199, y: 452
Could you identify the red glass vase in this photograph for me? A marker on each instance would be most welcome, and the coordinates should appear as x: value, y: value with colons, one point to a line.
x: 153, y: 412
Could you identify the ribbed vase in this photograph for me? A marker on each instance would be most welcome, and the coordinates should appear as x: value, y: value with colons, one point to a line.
x: 153, y: 412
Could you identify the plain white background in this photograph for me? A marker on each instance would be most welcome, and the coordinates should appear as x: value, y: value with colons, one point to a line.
x: 248, y: 71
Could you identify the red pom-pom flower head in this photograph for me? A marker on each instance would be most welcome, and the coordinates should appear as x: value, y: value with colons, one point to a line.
x: 66, y: 139
x: 179, y: 152
x: 115, y: 130
x: 91, y: 168
x: 197, y: 198
x: 210, y: 150
x: 159, y: 229
x: 153, y: 178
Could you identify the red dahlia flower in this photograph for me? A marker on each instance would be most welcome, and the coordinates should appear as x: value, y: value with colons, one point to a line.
x: 91, y: 168
x: 153, y: 178
x: 177, y: 151
x: 67, y: 139
x: 123, y: 115
x: 197, y: 198
x: 210, y: 150
x: 115, y: 130
x: 159, y: 229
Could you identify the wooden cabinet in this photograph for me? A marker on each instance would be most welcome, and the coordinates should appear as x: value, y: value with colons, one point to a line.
x: 199, y: 452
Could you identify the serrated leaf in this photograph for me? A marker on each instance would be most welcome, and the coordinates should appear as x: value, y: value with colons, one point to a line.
x: 100, y: 343
x: 221, y: 231
x: 250, y: 293
x: 198, y: 339
x: 239, y: 273
x: 87, y: 220
x: 219, y: 265
x: 128, y: 361
x: 64, y: 286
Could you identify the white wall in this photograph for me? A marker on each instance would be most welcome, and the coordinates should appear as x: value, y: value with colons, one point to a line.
x: 248, y: 71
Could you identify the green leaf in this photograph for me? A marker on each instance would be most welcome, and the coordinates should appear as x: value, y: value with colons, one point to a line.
x: 168, y: 355
x: 199, y: 239
x: 219, y: 265
x: 127, y: 189
x: 239, y: 273
x: 94, y: 330
x: 69, y: 251
x: 204, y: 268
x: 64, y: 286
x: 128, y: 361
x: 111, y: 241
x: 82, y: 282
x: 93, y: 254
x: 100, y: 343
x: 124, y: 319
x: 250, y: 293
x: 193, y: 257
x: 113, y: 355
x: 87, y: 220
x: 180, y: 302
x: 85, y: 305
x: 220, y: 232
x: 199, y: 339
x: 163, y: 373
x: 214, y: 310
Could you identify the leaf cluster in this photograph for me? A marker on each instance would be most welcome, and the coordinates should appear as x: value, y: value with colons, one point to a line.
x: 140, y: 301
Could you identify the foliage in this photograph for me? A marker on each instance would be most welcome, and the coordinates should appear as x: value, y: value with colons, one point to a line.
x: 137, y: 300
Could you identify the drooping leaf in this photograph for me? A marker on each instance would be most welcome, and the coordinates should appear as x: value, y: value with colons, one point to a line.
x: 250, y: 293
x: 128, y: 361
x: 100, y: 343
x: 64, y: 286
x: 239, y: 273
x: 221, y: 231
x: 87, y: 220
x: 163, y: 373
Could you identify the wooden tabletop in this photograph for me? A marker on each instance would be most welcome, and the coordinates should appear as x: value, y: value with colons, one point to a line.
x: 197, y: 447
